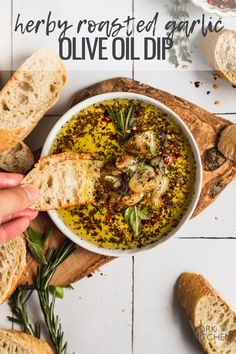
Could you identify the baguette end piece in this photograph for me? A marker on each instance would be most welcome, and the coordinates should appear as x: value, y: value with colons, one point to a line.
x: 14, y: 342
x: 32, y: 90
x: 211, y: 318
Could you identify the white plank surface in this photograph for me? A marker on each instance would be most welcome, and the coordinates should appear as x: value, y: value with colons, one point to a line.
x: 182, y: 83
x: 159, y: 325
x: 5, y: 40
x: 97, y: 314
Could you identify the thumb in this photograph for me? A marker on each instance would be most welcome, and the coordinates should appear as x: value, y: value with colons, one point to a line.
x: 17, y: 199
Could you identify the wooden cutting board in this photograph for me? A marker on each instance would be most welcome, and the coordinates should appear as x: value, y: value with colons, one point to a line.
x: 218, y: 172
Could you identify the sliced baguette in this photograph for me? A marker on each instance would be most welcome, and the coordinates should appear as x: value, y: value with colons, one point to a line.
x: 64, y: 180
x: 212, y: 320
x: 19, y: 159
x: 13, y: 342
x: 12, y: 266
x: 33, y: 89
x: 220, y: 52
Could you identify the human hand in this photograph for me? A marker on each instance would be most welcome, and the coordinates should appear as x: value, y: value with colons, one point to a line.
x: 14, y: 202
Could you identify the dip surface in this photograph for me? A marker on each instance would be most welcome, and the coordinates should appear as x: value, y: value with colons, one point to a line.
x: 92, y: 130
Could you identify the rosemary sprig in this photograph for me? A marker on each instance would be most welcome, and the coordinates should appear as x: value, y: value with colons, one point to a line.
x: 133, y: 215
x: 54, y: 258
x: 122, y: 123
x: 180, y: 50
x: 17, y: 303
x: 20, y: 297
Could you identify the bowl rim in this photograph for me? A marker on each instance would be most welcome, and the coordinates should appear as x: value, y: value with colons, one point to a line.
x: 214, y: 9
x: 67, y: 116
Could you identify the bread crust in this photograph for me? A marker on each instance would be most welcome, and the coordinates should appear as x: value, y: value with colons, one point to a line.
x: 209, y: 45
x: 28, y: 342
x: 191, y: 289
x: 20, y: 268
x: 10, y: 137
x: 19, y: 159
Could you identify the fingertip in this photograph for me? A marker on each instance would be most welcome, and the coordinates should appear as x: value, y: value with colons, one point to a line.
x: 33, y: 214
x: 13, y: 228
x: 10, y: 179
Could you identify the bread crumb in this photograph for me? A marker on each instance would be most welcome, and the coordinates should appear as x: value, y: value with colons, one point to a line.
x: 217, y: 102
x: 215, y: 86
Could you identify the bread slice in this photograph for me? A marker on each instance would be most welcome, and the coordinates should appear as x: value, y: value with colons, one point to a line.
x: 13, y: 342
x: 220, y: 52
x: 12, y: 266
x: 64, y: 180
x: 212, y: 320
x: 19, y: 159
x: 32, y: 90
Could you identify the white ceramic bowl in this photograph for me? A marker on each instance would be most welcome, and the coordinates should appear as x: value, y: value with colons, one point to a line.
x: 109, y: 96
x: 213, y: 9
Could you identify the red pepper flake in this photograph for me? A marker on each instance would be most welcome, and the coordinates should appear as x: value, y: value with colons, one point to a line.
x: 167, y: 160
x: 91, y: 228
x: 170, y: 159
x: 105, y: 119
x: 158, y: 217
x: 174, y: 142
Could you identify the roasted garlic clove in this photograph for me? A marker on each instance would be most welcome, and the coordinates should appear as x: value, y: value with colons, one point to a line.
x: 127, y: 163
x: 132, y: 199
x: 163, y: 184
x: 113, y: 182
x: 144, y: 180
x: 145, y: 144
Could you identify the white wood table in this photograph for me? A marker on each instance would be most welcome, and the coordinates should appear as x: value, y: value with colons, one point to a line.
x: 129, y: 306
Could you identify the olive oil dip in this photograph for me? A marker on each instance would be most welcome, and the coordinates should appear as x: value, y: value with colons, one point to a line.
x: 148, y: 178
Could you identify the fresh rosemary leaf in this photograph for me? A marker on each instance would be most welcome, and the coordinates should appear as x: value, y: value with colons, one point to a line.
x: 129, y: 118
x: 122, y: 122
x: 14, y: 320
x: 17, y: 303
